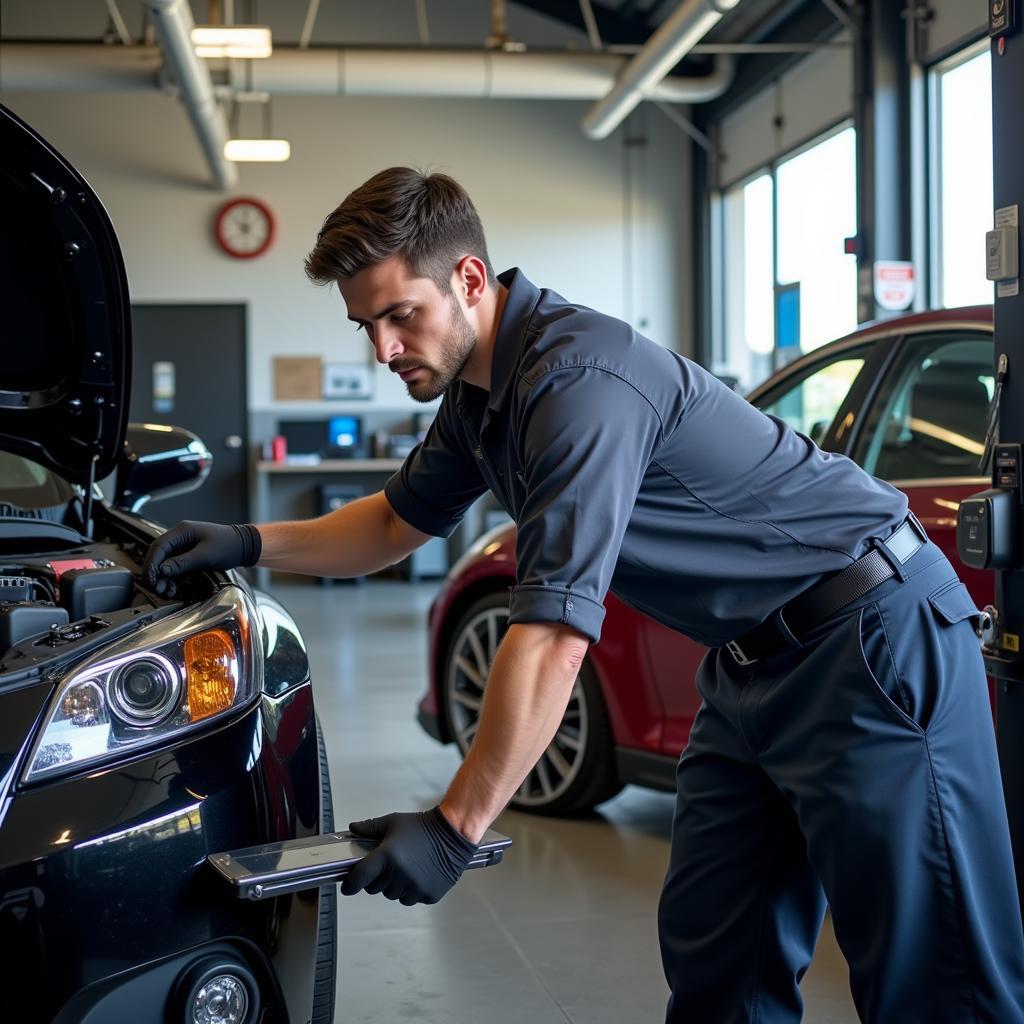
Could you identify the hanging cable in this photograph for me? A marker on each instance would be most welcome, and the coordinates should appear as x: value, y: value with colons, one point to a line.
x: 421, y: 22
x: 307, y: 25
x: 1002, y: 371
x: 587, y: 10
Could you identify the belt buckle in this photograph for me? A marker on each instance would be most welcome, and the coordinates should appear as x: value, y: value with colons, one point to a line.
x: 737, y: 652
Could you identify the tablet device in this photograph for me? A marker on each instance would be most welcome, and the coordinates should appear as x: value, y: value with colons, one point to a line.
x: 273, y: 869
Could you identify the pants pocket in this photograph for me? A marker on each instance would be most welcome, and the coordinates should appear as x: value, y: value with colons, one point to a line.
x: 878, y: 659
x: 920, y: 651
x: 952, y: 603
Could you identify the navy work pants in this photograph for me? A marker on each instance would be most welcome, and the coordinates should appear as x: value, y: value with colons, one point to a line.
x: 858, y: 771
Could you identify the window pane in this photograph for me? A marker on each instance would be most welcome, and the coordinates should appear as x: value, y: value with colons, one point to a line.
x: 810, y: 404
x: 965, y: 180
x: 934, y: 418
x: 748, y: 291
x: 817, y: 211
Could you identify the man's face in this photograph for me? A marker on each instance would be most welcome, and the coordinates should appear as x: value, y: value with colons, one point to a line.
x: 418, y: 331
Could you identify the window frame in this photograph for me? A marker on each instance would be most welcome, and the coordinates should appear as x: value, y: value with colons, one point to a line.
x: 875, y: 406
x: 935, y: 71
x: 881, y: 349
x: 777, y: 393
x: 716, y: 207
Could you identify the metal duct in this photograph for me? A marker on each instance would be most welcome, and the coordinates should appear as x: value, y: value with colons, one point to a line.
x: 74, y: 67
x: 173, y: 22
x: 639, y: 80
x: 485, y: 74
x: 290, y: 71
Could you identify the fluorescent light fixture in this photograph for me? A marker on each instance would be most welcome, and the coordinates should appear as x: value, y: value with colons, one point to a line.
x: 243, y: 41
x: 268, y: 150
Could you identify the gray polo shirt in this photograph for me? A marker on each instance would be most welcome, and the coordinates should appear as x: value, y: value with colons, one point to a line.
x: 628, y: 467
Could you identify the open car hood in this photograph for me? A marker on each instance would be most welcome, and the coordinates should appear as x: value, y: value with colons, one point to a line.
x: 66, y: 367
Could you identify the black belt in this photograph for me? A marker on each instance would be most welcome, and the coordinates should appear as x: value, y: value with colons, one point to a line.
x: 825, y: 598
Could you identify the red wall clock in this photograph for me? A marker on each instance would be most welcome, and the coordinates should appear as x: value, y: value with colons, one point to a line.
x: 244, y: 228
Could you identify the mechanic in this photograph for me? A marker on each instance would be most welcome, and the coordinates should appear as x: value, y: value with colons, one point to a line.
x: 844, y: 752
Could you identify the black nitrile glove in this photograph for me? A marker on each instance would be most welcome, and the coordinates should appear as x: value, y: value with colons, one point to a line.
x: 190, y: 546
x: 420, y: 857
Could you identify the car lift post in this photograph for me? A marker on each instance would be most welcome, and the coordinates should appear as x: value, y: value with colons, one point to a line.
x: 1005, y: 658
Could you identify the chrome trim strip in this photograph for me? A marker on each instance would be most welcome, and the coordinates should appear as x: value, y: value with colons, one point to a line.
x: 942, y: 481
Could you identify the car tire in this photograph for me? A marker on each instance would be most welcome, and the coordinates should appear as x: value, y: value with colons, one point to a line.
x: 577, y: 771
x: 327, y: 935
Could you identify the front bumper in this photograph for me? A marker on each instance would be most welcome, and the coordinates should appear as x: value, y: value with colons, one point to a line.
x: 103, y: 878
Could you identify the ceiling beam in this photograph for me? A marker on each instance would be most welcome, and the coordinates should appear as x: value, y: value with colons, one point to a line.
x: 613, y: 26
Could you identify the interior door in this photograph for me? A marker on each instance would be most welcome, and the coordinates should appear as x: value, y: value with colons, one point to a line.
x: 189, y: 370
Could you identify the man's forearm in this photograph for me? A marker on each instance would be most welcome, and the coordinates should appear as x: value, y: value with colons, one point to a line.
x: 361, y: 537
x: 527, y: 692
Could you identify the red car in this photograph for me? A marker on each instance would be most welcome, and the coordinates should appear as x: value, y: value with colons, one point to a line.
x: 907, y: 399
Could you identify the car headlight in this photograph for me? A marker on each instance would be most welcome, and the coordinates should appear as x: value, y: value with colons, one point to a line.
x: 148, y: 688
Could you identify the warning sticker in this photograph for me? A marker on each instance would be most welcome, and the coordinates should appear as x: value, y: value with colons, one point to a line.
x: 894, y: 284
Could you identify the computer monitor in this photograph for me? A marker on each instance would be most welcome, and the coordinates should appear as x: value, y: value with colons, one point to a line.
x: 303, y: 437
x: 343, y: 431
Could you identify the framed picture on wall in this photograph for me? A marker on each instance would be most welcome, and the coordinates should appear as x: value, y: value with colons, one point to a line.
x: 347, y: 380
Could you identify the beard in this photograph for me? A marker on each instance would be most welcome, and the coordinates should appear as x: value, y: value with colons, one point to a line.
x: 458, y: 347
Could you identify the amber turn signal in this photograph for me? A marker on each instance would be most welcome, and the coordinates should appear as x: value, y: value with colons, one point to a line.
x: 211, y: 673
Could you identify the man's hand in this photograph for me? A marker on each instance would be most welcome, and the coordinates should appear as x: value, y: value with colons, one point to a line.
x: 420, y: 857
x: 190, y: 546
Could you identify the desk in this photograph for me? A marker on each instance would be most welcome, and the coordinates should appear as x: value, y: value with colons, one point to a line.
x: 286, y: 490
x: 332, y: 466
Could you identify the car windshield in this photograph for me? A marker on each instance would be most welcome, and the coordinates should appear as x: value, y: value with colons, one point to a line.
x: 25, y: 485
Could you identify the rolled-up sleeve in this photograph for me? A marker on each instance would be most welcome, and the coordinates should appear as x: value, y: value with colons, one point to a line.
x: 438, y: 481
x: 587, y: 437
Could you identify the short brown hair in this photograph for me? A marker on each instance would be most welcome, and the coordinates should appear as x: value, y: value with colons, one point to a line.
x: 427, y: 219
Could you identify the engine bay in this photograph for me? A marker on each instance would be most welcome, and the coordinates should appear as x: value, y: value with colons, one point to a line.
x: 38, y: 597
x: 58, y: 596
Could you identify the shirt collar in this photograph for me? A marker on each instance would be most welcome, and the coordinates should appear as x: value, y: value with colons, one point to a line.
x: 520, y: 303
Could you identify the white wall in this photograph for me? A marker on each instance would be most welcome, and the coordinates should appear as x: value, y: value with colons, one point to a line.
x: 810, y: 98
x: 953, y: 24
x: 818, y: 93
x: 561, y: 207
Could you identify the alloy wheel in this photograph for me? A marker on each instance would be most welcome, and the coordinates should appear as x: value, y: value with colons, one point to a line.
x: 471, y: 655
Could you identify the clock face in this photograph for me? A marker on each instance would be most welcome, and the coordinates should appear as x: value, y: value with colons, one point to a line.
x: 245, y: 228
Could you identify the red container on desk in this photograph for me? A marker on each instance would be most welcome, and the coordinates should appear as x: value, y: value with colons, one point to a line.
x: 279, y: 448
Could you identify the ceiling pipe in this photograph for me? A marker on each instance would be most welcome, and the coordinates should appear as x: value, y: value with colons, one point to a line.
x: 673, y: 40
x: 78, y: 67
x: 173, y: 22
x: 321, y: 71
x: 482, y: 74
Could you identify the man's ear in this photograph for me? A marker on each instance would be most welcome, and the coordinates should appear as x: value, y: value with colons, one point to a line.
x: 469, y: 279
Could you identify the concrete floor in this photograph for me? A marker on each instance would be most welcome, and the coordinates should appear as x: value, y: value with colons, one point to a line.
x: 562, y: 931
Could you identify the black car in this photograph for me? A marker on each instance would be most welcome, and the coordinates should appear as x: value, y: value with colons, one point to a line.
x: 138, y: 734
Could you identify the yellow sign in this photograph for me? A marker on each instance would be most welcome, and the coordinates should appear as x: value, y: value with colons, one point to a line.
x: 1011, y: 641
